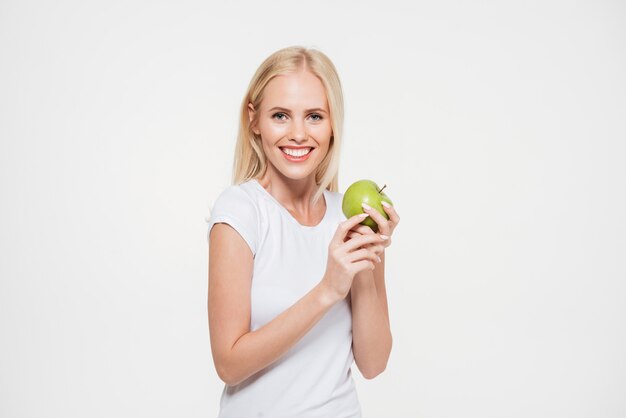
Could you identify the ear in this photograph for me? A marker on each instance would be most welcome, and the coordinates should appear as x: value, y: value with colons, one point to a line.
x: 251, y: 116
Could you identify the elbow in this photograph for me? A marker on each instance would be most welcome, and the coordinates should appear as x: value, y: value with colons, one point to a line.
x: 371, y: 373
x: 229, y: 366
x: 223, y: 374
x: 227, y: 374
x: 376, y: 367
x: 373, y: 369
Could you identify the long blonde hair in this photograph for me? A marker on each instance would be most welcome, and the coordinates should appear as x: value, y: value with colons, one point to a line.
x: 250, y: 160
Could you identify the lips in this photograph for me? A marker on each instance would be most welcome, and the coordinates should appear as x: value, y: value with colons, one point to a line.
x: 299, y: 151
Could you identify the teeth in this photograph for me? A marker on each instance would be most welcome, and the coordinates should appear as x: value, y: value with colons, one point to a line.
x: 296, y: 153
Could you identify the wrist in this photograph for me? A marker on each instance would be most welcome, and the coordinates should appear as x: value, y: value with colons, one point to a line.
x: 364, y: 280
x: 326, y: 295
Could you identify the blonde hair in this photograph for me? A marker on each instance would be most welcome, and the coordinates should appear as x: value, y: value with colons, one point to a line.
x: 250, y: 160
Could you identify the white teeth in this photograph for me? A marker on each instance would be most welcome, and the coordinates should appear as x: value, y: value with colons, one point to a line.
x: 296, y: 153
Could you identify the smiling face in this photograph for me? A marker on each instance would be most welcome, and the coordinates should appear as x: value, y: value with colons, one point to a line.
x: 293, y: 121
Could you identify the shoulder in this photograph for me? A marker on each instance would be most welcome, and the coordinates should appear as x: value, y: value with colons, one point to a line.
x: 235, y: 202
x: 236, y: 195
x: 237, y: 206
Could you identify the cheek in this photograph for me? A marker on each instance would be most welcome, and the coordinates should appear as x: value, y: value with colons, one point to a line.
x: 270, y: 129
x: 323, y: 133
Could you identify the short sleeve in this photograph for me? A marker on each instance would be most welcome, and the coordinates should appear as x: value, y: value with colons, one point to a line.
x: 236, y: 208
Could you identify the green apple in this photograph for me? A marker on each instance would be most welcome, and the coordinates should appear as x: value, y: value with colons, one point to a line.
x: 368, y: 192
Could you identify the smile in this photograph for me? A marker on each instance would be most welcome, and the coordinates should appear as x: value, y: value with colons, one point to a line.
x: 297, y: 155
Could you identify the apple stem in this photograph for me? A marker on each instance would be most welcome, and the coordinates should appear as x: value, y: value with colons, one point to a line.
x: 381, y: 190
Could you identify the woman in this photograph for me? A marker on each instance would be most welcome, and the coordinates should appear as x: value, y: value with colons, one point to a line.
x: 296, y: 291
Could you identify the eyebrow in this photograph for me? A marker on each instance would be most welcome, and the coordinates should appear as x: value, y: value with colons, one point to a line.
x: 316, y: 109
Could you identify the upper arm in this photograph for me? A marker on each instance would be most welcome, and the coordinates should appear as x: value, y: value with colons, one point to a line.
x: 230, y: 272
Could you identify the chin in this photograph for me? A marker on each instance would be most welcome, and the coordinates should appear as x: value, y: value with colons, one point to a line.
x: 294, y: 174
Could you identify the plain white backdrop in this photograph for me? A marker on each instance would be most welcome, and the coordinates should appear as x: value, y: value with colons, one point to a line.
x: 498, y: 127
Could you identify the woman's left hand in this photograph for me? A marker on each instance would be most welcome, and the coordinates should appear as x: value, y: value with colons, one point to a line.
x: 385, y: 226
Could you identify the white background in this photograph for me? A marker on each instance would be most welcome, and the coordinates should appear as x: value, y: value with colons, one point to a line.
x: 498, y: 127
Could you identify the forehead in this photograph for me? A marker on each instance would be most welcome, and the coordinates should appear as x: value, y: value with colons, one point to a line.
x: 295, y: 90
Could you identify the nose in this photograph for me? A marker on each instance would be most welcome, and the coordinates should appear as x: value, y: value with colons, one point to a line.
x: 298, y: 131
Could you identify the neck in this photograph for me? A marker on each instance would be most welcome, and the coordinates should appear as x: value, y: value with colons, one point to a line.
x: 296, y: 194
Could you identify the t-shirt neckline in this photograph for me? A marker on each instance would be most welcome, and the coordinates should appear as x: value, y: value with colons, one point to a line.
x: 288, y: 214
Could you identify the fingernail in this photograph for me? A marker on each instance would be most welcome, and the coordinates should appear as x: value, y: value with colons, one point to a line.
x: 366, y: 206
x: 379, y: 260
x: 363, y: 215
x: 384, y: 236
x: 385, y: 204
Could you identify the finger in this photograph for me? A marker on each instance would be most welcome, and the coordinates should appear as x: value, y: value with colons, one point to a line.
x: 363, y: 265
x: 378, y: 249
x: 362, y: 240
x: 363, y: 254
x: 383, y: 223
x: 391, y: 211
x: 363, y: 229
x: 353, y: 234
x: 345, y: 226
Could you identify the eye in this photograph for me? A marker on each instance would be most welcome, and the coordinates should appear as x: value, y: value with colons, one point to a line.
x: 278, y: 115
x: 315, y: 115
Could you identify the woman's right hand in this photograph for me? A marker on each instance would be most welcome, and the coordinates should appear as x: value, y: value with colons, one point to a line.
x: 348, y: 257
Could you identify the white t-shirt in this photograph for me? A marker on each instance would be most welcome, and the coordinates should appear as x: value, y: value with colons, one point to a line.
x: 313, y: 379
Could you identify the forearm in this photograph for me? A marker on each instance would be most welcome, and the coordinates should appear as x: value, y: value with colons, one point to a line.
x: 258, y: 349
x: 371, y: 332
